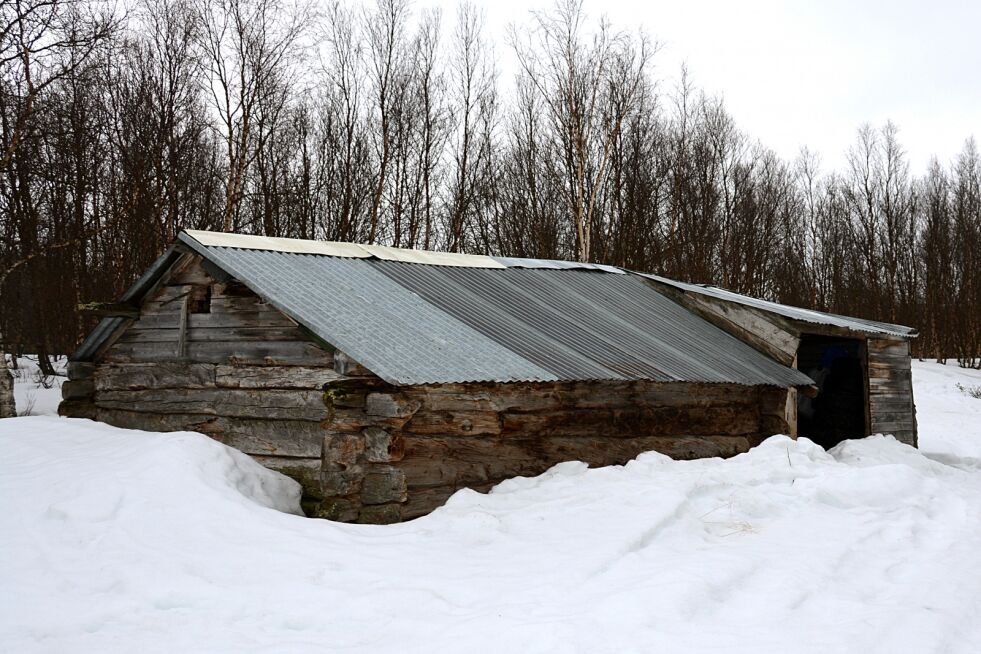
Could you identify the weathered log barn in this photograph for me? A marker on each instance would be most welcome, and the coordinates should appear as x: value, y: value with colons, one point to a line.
x: 386, y: 379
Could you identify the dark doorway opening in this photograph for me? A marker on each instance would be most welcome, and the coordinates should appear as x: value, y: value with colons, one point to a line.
x: 838, y: 411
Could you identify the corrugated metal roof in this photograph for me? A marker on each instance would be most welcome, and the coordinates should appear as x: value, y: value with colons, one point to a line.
x: 590, y: 325
x: 386, y: 328
x: 795, y: 313
x: 418, y: 324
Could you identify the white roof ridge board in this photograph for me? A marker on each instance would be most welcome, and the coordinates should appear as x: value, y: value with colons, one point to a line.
x: 384, y: 252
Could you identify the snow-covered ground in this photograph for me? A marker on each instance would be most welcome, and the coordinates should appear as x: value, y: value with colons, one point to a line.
x: 124, y: 541
x: 35, y: 394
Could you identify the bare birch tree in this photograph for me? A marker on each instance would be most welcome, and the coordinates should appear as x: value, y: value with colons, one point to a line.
x: 589, y: 83
x: 246, y: 44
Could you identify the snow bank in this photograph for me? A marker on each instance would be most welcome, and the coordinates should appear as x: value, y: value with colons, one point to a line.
x: 118, y: 541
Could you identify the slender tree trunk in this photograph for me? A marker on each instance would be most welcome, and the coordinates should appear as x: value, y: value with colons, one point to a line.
x: 8, y: 408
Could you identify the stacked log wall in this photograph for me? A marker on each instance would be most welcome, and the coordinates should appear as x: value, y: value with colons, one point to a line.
x: 398, y: 453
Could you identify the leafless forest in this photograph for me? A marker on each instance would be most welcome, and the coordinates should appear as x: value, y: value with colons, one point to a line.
x: 385, y: 122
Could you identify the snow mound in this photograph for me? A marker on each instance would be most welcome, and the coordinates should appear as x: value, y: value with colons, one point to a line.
x: 118, y: 541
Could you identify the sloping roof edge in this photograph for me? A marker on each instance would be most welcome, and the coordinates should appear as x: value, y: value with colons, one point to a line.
x: 870, y: 327
x: 107, y: 326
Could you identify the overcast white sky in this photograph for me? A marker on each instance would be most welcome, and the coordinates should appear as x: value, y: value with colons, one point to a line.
x: 799, y: 73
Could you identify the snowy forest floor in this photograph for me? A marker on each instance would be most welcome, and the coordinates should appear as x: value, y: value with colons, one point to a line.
x: 121, y: 541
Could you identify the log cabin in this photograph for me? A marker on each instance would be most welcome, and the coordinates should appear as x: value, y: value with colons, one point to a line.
x: 385, y: 379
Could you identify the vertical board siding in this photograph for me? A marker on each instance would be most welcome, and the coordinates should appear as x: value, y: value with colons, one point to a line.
x: 891, y: 406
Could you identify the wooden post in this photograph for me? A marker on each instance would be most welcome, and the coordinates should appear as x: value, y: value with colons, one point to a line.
x: 182, y: 330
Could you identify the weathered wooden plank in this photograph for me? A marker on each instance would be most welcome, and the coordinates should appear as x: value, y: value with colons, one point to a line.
x: 876, y: 366
x: 137, y: 333
x: 182, y: 329
x: 137, y: 376
x: 890, y: 354
x: 242, y: 403
x: 892, y: 428
x: 275, y: 376
x: 548, y: 396
x: 242, y: 352
x: 876, y: 399
x: 877, y: 346
x: 226, y: 303
x: 901, y: 379
x: 171, y: 294
x: 282, y: 437
x: 659, y: 421
x: 191, y: 273
x: 248, y: 319
x: 759, y: 330
x: 472, y: 423
x: 293, y: 438
x: 77, y: 389
x: 78, y: 409
x: 80, y: 369
x: 465, y: 461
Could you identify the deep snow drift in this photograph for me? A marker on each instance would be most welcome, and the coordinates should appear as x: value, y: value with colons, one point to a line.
x: 122, y: 541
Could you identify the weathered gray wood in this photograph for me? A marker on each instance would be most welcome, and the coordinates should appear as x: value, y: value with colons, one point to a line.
x: 267, y: 404
x: 137, y: 333
x: 78, y: 409
x: 247, y: 319
x: 275, y: 376
x: 224, y: 303
x: 281, y: 437
x: 190, y: 272
x: 383, y: 484
x: 172, y: 295
x: 77, y: 389
x: 891, y: 407
x: 762, y: 331
x: 238, y: 352
x: 593, y: 395
x: 473, y: 423
x: 891, y: 395
x: 898, y: 378
x: 657, y: 421
x: 80, y: 369
x: 883, y: 368
x: 182, y: 329
x: 436, y: 469
x: 881, y: 346
x: 166, y: 304
x: 139, y: 376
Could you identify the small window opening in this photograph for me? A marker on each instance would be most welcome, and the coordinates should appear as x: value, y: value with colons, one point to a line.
x: 200, y: 300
